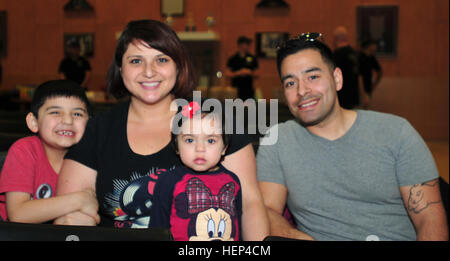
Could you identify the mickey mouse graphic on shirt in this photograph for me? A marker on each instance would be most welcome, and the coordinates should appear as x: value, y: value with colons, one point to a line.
x: 211, y: 217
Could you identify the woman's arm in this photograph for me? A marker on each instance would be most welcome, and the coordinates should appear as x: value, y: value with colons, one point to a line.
x: 255, y: 223
x: 22, y: 209
x: 75, y: 177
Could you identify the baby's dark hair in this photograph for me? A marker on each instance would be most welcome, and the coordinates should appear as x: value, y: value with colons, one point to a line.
x: 203, y: 111
x: 57, y: 88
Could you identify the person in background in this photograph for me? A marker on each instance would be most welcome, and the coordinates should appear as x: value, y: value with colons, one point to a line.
x: 346, y: 58
x: 241, y: 68
x: 369, y: 68
x: 344, y: 174
x: 75, y: 67
x: 59, y: 112
x: 124, y: 151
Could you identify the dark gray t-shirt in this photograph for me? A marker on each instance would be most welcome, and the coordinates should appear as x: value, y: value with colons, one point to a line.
x: 348, y: 189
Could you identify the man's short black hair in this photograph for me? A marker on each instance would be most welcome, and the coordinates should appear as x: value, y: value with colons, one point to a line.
x: 296, y: 45
x: 57, y: 88
x: 244, y: 40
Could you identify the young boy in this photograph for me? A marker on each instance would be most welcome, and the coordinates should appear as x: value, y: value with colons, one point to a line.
x: 200, y: 201
x: 59, y: 113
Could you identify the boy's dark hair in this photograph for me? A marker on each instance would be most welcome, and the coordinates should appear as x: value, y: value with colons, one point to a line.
x: 57, y: 88
x: 178, y: 123
x: 296, y: 45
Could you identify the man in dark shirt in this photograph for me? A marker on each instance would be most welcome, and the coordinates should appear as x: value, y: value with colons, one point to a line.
x: 346, y: 59
x: 241, y: 69
x: 75, y: 67
x: 369, y: 66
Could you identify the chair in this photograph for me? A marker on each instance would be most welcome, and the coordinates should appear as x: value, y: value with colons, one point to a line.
x: 2, y: 158
x: 443, y: 186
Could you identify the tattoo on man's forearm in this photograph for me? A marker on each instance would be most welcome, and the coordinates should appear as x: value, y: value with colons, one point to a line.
x: 417, y: 200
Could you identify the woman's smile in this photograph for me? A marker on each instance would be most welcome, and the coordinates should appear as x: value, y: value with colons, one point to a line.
x: 148, y: 74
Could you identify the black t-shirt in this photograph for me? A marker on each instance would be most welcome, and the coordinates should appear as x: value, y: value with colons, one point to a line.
x: 74, y: 70
x: 347, y: 60
x: 125, y: 180
x: 244, y: 84
x: 367, y: 64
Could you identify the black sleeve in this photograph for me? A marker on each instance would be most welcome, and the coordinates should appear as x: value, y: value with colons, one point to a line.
x: 62, y: 66
x: 237, y: 142
x: 162, y: 201
x: 231, y: 64
x: 85, y: 151
x: 87, y: 65
x: 376, y: 65
x: 255, y: 63
x: 98, y: 130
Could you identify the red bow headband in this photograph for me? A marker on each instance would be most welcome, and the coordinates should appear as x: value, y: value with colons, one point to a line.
x: 190, y: 109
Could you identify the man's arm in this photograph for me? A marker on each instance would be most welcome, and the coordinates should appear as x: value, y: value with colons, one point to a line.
x: 377, y: 79
x: 424, y: 205
x: 87, y: 77
x: 240, y: 72
x: 365, y: 98
x: 274, y: 196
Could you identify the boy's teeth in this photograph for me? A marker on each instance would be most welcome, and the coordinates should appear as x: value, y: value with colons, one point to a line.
x: 68, y: 133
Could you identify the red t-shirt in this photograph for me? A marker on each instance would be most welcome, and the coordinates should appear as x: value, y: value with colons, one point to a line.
x: 27, y: 169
